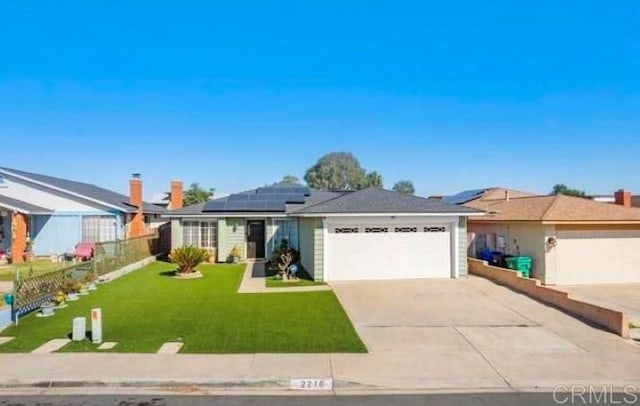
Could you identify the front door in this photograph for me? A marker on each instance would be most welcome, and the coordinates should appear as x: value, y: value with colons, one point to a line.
x: 255, y: 239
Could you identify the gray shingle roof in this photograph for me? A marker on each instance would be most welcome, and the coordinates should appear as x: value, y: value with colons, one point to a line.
x: 375, y: 200
x: 192, y: 210
x: 24, y: 207
x: 87, y: 190
x: 315, y: 197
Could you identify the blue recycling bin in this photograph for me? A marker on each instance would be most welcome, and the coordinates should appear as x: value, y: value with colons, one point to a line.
x: 8, y: 299
x: 486, y: 255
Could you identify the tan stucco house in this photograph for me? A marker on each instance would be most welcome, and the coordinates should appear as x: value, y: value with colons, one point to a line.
x: 571, y: 240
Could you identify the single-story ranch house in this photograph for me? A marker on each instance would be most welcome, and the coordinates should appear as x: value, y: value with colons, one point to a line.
x: 56, y: 214
x: 341, y: 235
x: 571, y: 240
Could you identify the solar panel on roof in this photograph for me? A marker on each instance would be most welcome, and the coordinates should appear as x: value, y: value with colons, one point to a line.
x: 463, y: 197
x: 238, y: 197
x: 215, y: 205
x: 272, y: 198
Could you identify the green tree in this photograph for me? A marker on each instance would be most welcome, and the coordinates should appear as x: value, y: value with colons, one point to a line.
x: 562, y: 189
x: 373, y: 179
x: 404, y: 186
x: 195, y: 194
x: 336, y: 170
x: 289, y: 179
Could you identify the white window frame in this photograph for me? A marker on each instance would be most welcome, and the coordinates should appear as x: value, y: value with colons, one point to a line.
x: 202, y: 234
x: 99, y: 228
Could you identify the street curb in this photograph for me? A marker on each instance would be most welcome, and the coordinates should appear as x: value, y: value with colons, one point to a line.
x: 278, y: 384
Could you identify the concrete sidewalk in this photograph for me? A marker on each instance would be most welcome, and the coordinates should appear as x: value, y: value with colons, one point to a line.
x: 408, y: 371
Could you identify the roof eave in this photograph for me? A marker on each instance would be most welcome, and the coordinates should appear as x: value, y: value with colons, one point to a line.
x: 396, y: 214
x: 59, y: 189
x: 224, y: 214
x: 562, y: 222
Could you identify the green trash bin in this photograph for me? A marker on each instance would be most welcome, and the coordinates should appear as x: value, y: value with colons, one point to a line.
x: 520, y: 264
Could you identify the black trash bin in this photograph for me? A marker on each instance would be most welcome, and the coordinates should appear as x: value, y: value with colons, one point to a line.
x: 504, y: 260
x: 497, y: 258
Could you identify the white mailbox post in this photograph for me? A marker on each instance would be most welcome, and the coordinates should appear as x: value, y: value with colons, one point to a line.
x: 96, y: 326
x: 79, y: 329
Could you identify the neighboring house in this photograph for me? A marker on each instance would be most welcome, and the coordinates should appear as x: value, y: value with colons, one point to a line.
x: 571, y: 240
x: 362, y: 235
x: 171, y: 200
x: 618, y: 198
x: 56, y: 213
x: 492, y: 193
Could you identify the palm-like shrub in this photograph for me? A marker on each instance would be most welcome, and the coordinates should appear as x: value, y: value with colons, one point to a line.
x: 188, y: 257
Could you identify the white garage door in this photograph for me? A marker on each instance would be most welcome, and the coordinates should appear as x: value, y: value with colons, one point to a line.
x: 387, y: 251
x: 598, y: 256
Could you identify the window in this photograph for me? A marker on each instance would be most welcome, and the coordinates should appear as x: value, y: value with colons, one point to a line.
x: 286, y: 228
x: 98, y: 228
x: 376, y: 230
x: 345, y: 230
x: 435, y: 229
x: 203, y: 234
x: 208, y: 234
x: 406, y: 229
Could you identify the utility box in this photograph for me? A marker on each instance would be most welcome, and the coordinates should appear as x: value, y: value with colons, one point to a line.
x: 79, y: 329
x: 96, y: 326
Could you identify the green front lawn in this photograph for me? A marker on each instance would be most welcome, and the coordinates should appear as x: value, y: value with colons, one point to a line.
x: 146, y: 308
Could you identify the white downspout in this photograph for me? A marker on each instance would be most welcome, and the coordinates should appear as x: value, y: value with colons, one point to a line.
x: 325, y: 250
x: 455, y: 249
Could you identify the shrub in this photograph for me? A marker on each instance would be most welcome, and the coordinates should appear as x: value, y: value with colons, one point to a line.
x: 234, y: 254
x: 188, y: 257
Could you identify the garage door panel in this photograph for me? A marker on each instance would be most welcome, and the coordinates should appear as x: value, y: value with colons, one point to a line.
x: 598, y: 256
x: 388, y: 255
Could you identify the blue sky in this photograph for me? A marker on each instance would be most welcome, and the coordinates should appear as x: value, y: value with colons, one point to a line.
x: 235, y: 94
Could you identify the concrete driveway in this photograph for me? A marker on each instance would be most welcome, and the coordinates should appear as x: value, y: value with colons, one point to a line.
x: 473, y: 333
x: 621, y: 297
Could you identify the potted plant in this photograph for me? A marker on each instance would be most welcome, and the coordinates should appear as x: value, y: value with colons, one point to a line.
x: 234, y: 255
x: 212, y: 255
x: 46, y: 309
x: 60, y: 300
x: 90, y: 279
x: 71, y: 288
x: 84, y: 289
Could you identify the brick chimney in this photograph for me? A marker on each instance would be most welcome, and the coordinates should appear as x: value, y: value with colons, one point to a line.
x: 623, y: 197
x: 136, y: 226
x: 176, y: 195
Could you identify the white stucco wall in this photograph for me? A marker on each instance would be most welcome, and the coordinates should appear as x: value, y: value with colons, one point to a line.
x: 43, y: 199
x: 521, y: 238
